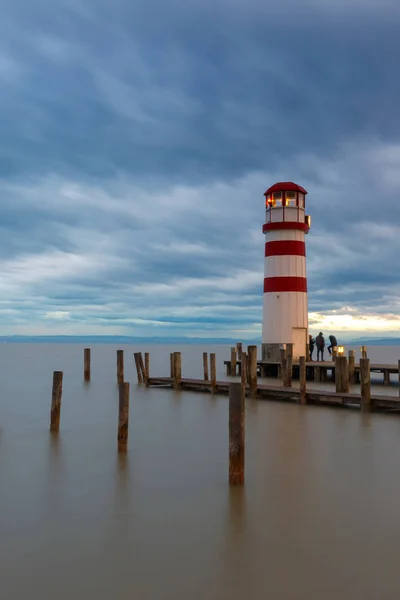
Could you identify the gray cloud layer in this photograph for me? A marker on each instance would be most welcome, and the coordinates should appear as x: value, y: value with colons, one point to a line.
x: 138, y: 139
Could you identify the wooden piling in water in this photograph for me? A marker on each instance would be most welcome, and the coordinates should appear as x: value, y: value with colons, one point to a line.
x: 365, y: 380
x: 146, y: 368
x: 398, y: 366
x: 289, y: 370
x: 236, y: 434
x: 363, y: 351
x: 120, y: 366
x: 233, y: 361
x: 252, y: 360
x: 352, y: 362
x: 239, y: 349
x: 142, y: 367
x: 283, y: 363
x: 123, y: 417
x: 86, y: 364
x: 177, y: 370
x: 205, y: 366
x: 138, y: 369
x: 334, y: 353
x: 342, y: 375
x: 302, y: 378
x: 243, y: 372
x: 213, y: 369
x: 56, y: 401
x: 172, y: 366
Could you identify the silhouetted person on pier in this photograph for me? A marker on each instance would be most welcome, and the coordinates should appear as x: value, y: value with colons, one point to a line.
x: 320, y: 343
x: 333, y: 342
x: 311, y: 344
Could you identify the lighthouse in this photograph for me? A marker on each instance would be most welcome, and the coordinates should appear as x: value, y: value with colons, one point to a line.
x: 285, y: 312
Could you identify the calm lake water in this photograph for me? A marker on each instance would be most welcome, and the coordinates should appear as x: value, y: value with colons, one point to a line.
x: 318, y: 517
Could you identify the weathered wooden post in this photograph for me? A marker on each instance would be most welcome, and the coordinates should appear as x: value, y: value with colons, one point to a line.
x: 233, y: 360
x: 289, y: 369
x: 302, y: 378
x: 138, y: 369
x: 177, y: 370
x: 86, y: 364
x: 120, y: 366
x: 365, y: 380
x: 334, y: 353
x: 398, y: 366
x: 236, y: 434
x: 123, y: 417
x: 352, y: 362
x: 146, y: 368
x: 342, y: 375
x: 141, y: 365
x: 56, y: 401
x: 252, y: 359
x: 205, y: 365
x: 239, y: 349
x: 363, y: 351
x: 213, y: 369
x: 244, y: 370
x: 283, y: 361
x: 172, y: 365
x: 308, y: 357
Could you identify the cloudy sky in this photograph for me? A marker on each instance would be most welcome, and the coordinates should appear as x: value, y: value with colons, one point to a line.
x: 138, y: 138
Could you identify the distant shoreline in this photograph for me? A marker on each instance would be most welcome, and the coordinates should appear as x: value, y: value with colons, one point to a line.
x: 73, y: 339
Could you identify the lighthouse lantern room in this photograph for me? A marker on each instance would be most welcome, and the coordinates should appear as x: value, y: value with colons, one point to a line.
x: 285, y: 313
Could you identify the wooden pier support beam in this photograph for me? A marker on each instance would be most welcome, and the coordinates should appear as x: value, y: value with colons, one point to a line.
x: 365, y: 380
x: 363, y: 351
x: 146, y: 368
x: 56, y: 401
x: 236, y: 434
x: 177, y: 370
x: 138, y: 369
x: 205, y: 366
x: 283, y: 363
x: 302, y: 378
x: 120, y: 366
x: 244, y: 371
x: 213, y: 369
x: 233, y: 361
x: 172, y: 366
x: 123, y: 417
x: 86, y: 364
x: 239, y: 349
x: 386, y: 377
x: 352, y: 362
x: 342, y: 375
x: 252, y: 360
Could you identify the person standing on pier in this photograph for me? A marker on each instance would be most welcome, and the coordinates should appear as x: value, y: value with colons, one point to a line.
x: 333, y: 342
x: 320, y: 343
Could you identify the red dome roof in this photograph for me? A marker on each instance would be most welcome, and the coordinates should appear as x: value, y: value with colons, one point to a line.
x: 285, y: 186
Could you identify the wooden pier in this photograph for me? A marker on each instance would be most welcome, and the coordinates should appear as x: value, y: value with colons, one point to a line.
x: 278, y: 392
x: 315, y: 371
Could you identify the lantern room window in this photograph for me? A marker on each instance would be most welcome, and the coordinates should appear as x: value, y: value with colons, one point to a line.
x: 291, y: 199
x: 277, y: 199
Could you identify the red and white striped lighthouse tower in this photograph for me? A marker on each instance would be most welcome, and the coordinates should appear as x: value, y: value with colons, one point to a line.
x: 285, y: 316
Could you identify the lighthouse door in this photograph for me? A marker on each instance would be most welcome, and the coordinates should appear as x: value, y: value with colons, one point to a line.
x: 299, y: 340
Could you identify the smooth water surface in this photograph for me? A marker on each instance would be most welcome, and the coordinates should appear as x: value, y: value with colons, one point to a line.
x: 317, y: 518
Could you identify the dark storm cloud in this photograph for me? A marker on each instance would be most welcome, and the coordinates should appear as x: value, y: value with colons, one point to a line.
x: 138, y: 139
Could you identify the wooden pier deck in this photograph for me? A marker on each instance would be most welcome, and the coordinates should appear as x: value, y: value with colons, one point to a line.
x: 315, y: 371
x: 278, y: 392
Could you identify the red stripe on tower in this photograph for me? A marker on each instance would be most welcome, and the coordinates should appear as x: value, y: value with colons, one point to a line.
x: 285, y: 284
x: 285, y: 248
x: 285, y: 225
